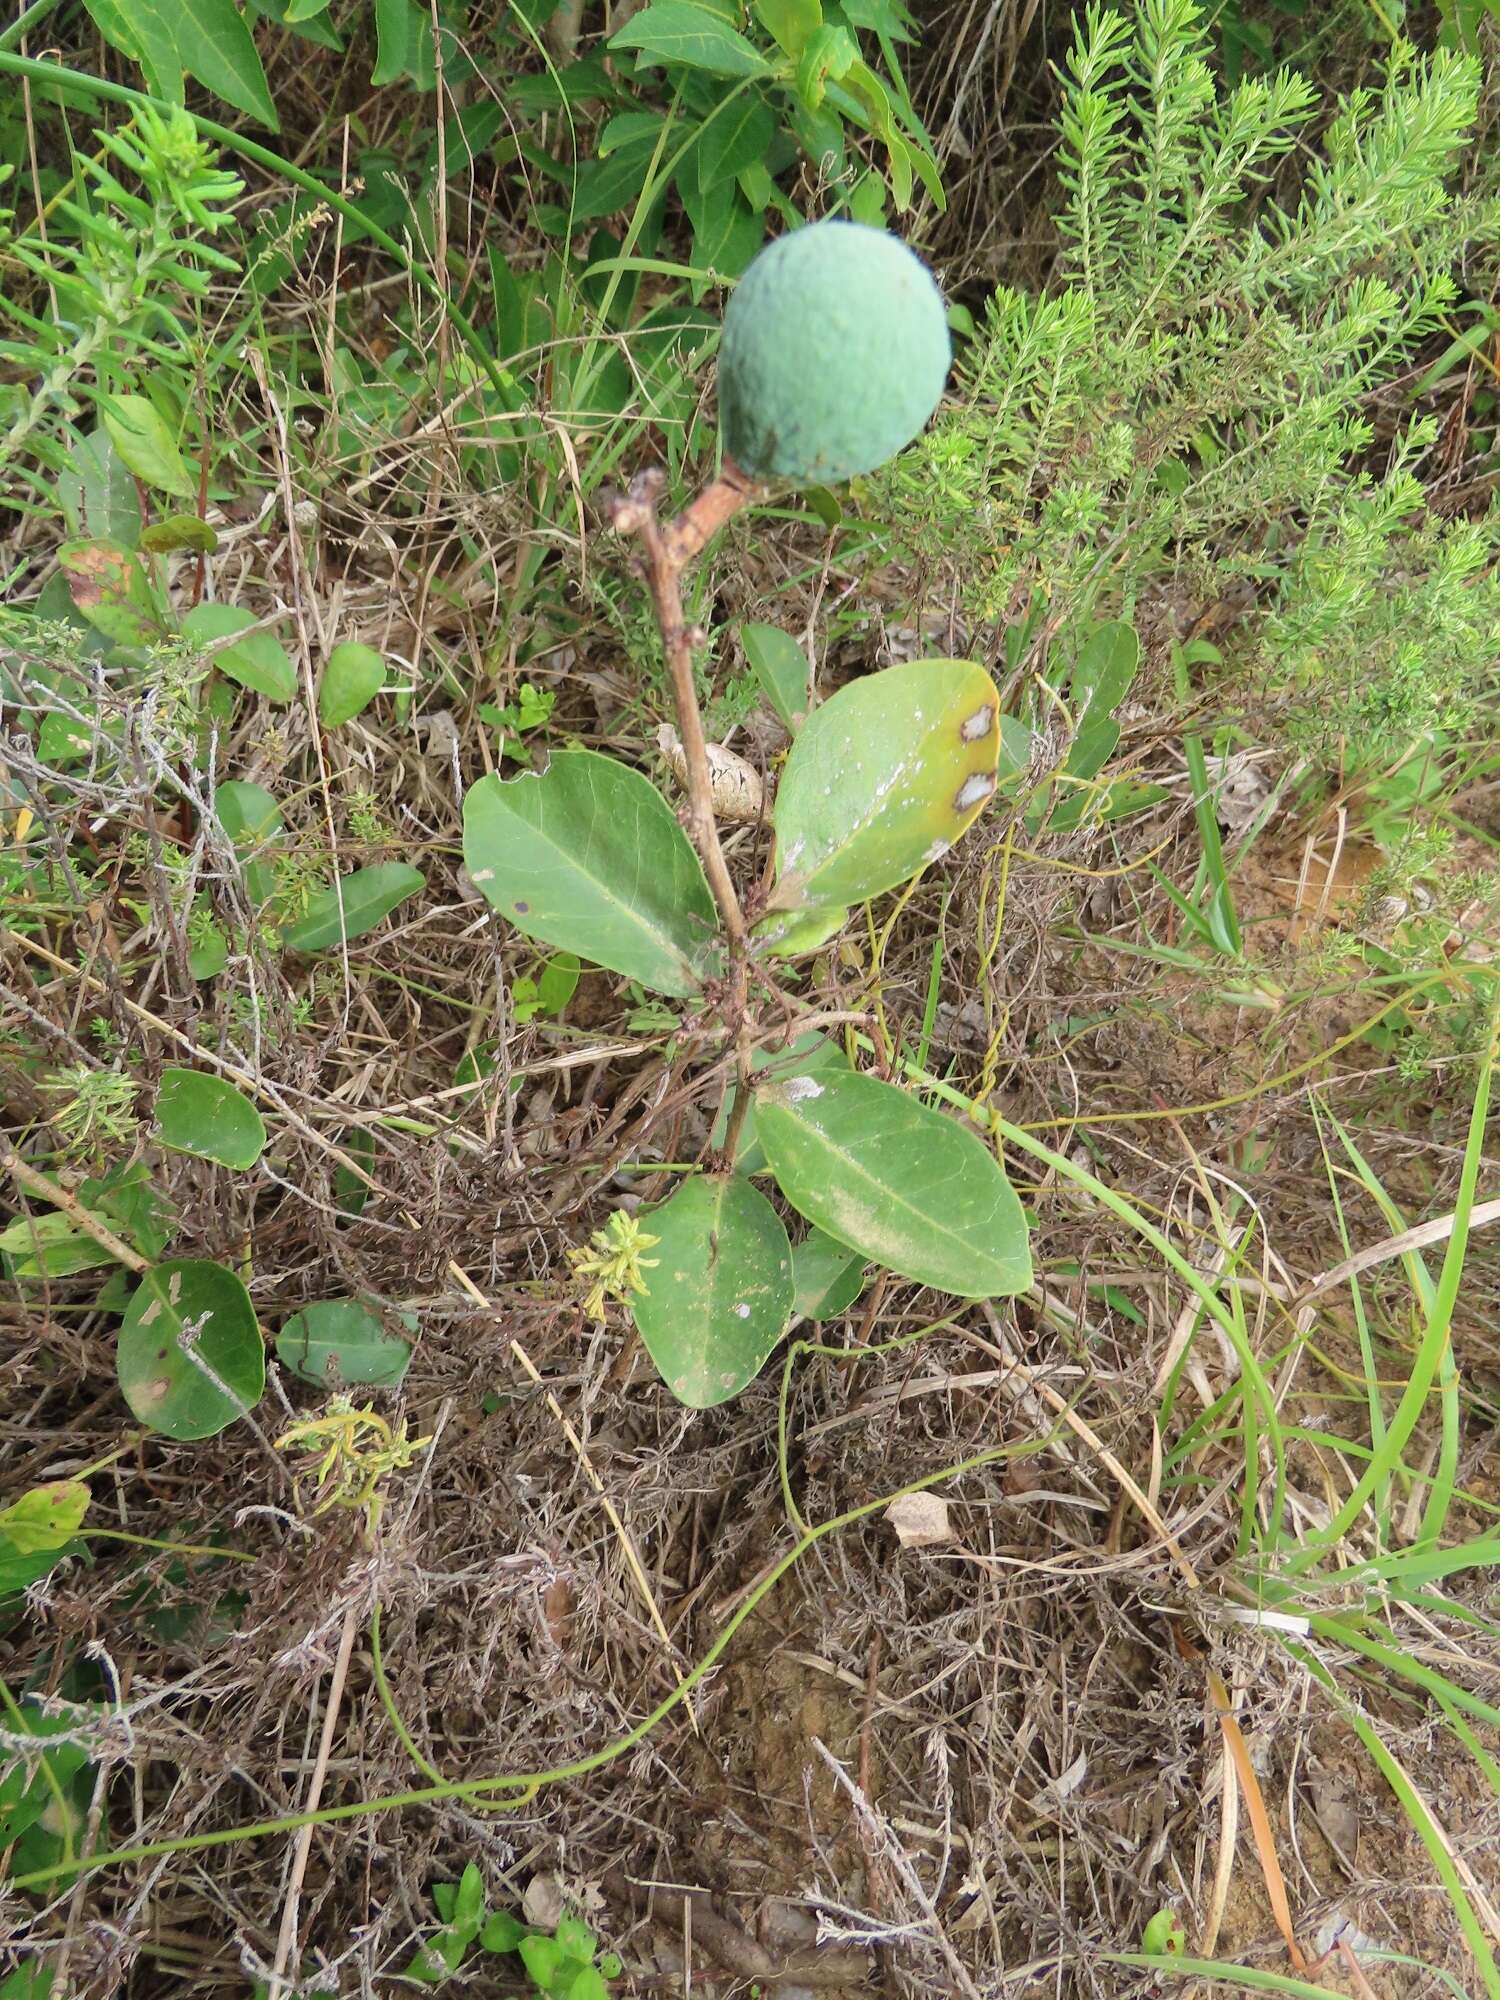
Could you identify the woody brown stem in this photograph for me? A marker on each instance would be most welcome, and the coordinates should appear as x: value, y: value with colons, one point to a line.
x: 666, y: 549
x: 704, y: 515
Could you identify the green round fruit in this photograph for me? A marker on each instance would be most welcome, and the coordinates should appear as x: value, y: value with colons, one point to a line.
x: 834, y: 354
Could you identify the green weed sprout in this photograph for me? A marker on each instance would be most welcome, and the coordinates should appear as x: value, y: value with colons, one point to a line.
x: 614, y: 1261
x: 359, y: 1451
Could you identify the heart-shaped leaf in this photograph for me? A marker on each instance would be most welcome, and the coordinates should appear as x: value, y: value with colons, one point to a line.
x: 183, y: 1309
x: 355, y: 905
x: 202, y: 1114
x: 589, y: 856
x: 340, y: 1343
x: 258, y: 662
x: 721, y: 1292
x: 896, y: 1180
x: 883, y: 778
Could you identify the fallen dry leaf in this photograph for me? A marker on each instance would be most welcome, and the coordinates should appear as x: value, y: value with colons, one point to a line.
x: 920, y: 1520
x: 734, y: 785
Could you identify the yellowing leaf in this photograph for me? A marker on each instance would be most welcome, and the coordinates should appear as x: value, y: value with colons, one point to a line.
x: 46, y: 1517
x: 883, y: 778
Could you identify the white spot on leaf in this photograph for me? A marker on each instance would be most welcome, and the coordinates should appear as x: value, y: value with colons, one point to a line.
x: 798, y: 1089
x: 977, y: 725
x: 973, y: 791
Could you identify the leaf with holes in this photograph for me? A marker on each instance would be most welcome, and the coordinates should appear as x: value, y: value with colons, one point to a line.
x: 340, y: 1343
x: 903, y: 1184
x: 589, y: 856
x: 883, y: 778
x: 721, y: 1292
x: 202, y: 1114
x: 355, y: 905
x: 257, y: 661
x: 190, y: 1357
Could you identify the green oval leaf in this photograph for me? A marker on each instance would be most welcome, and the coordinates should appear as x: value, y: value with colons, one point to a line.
x: 48, y: 1245
x: 721, y: 1292
x: 897, y: 1181
x: 671, y: 32
x: 828, y: 1276
x: 798, y: 933
x: 258, y: 662
x: 178, y: 532
x: 183, y: 1308
x: 350, y: 1193
x: 882, y: 779
x: 351, y: 680
x: 18, y: 1572
x: 202, y: 1114
x: 145, y: 446
x: 252, y: 820
x: 780, y: 666
x: 589, y: 856
x: 97, y: 494
x: 341, y: 1342
x: 355, y: 904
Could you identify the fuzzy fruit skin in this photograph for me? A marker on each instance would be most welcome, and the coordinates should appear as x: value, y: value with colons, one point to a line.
x: 834, y: 354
